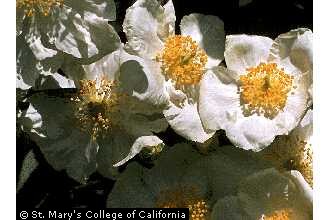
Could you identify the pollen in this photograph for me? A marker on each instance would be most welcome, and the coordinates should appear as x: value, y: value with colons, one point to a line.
x: 43, y: 6
x: 264, y: 90
x: 283, y: 214
x: 182, y: 61
x: 97, y: 106
x: 185, y: 197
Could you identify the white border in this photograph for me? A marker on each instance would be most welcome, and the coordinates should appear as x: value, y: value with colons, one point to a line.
x: 8, y: 110
x: 321, y: 109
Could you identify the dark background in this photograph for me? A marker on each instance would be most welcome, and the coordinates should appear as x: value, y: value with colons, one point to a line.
x: 47, y: 188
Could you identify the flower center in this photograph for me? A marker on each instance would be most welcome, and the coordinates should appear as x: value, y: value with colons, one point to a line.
x: 184, y: 197
x: 284, y: 214
x: 43, y: 6
x: 264, y: 90
x: 182, y: 61
x: 97, y: 105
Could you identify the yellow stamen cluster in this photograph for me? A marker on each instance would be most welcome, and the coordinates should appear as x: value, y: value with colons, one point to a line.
x: 264, y: 90
x: 182, y: 60
x: 284, y: 214
x: 184, y: 197
x: 291, y: 153
x: 42, y: 6
x: 97, y: 105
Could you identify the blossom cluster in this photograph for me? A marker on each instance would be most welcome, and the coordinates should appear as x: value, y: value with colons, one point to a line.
x: 96, y: 102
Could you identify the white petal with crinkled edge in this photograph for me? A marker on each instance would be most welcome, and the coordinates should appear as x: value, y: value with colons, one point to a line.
x: 170, y: 18
x: 29, y: 68
x: 81, y: 37
x: 142, y: 78
x: 54, y: 81
x: 253, y: 132
x: 218, y: 100
x: 33, y: 39
x: 143, y: 21
x: 139, y: 144
x: 305, y: 128
x: 107, y: 66
x: 295, y: 45
x: 295, y: 107
x: 208, y: 32
x: 268, y: 191
x: 186, y: 122
x: 20, y: 84
x: 244, y: 51
x: 30, y: 120
x: 101, y: 32
x: 294, y: 50
x: 102, y: 8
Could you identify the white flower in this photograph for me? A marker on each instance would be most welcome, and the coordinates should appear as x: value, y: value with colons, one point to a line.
x: 264, y: 91
x: 177, y: 61
x: 49, y: 29
x: 268, y: 195
x: 93, y: 126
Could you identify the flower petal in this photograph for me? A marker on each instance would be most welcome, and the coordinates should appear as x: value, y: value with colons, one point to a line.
x: 295, y: 108
x: 142, y: 79
x: 244, y: 51
x: 218, y: 100
x: 102, y: 8
x: 304, y: 188
x: 225, y: 168
x: 139, y: 144
x: 142, y: 123
x: 177, y: 159
x: 268, y: 191
x: 29, y: 68
x: 106, y: 66
x: 81, y: 37
x: 253, y: 132
x: 130, y: 190
x: 113, y: 148
x: 63, y: 145
x: 170, y: 18
x: 54, y: 81
x: 296, y: 44
x: 186, y: 122
x: 34, y: 39
x: 208, y: 32
x: 144, y: 23
x: 305, y: 128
